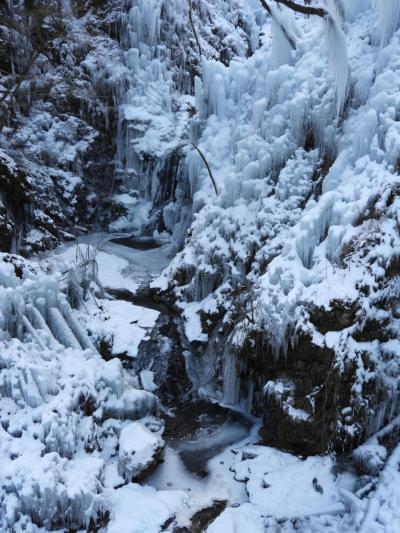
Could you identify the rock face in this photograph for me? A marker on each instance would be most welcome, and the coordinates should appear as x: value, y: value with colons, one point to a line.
x: 98, y: 133
x: 289, y: 277
x: 14, y: 204
x: 302, y: 397
x: 57, y: 122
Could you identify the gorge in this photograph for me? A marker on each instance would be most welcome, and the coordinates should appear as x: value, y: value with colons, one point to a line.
x: 199, y: 270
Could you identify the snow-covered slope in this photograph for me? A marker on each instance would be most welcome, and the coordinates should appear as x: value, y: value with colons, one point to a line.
x: 63, y: 410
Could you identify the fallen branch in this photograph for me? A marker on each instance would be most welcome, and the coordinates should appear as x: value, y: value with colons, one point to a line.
x: 386, y: 478
x: 384, y: 432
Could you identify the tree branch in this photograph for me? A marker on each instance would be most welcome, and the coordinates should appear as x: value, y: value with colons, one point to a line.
x: 283, y: 29
x: 305, y: 10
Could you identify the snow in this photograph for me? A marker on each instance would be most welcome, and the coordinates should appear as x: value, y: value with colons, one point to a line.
x: 65, y: 411
x: 289, y: 491
x: 305, y: 155
x: 193, y: 329
x: 147, y: 380
x: 244, y: 518
x: 125, y: 324
x: 137, y: 509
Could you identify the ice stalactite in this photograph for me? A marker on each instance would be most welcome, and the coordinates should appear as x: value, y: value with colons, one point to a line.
x: 284, y: 36
x: 231, y: 379
x: 66, y: 8
x: 281, y: 49
x: 337, y: 8
x: 338, y: 59
x: 353, y: 8
x: 389, y: 19
x: 144, y: 72
x: 41, y: 311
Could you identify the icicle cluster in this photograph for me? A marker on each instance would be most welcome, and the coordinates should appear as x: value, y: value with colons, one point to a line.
x: 296, y: 193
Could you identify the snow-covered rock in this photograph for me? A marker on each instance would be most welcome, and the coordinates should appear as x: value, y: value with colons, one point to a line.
x: 295, y: 258
x: 139, y: 451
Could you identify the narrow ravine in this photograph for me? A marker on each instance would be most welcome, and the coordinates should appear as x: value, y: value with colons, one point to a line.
x: 199, y: 266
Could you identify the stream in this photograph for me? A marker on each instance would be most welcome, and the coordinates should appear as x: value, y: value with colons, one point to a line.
x: 201, y: 436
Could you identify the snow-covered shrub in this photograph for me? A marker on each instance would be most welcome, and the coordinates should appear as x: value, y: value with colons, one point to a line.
x: 82, y: 277
x: 370, y: 458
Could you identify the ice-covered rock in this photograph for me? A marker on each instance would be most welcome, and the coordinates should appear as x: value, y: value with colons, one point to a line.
x: 296, y: 257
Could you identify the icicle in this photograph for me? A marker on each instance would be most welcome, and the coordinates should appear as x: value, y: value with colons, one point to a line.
x: 389, y: 19
x: 61, y: 329
x: 338, y: 59
x: 66, y: 8
x: 75, y: 327
x: 281, y: 49
x: 336, y: 7
x: 40, y: 323
x: 283, y: 39
x: 353, y: 8
x: 230, y: 378
x: 33, y: 332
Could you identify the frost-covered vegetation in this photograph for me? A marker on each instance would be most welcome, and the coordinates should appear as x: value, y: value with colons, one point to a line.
x: 65, y: 412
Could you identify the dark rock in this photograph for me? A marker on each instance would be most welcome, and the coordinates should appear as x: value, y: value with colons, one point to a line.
x: 340, y: 315
x: 316, y: 389
x: 202, y: 519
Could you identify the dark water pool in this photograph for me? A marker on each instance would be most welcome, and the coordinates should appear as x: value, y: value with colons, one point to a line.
x: 138, y: 243
x: 201, y: 430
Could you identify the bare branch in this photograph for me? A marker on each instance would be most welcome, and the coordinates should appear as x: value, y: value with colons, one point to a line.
x: 305, y: 10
